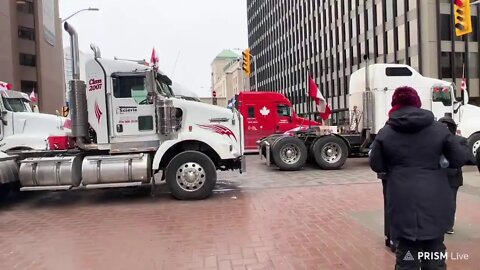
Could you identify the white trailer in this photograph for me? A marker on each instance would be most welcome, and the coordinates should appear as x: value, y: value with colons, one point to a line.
x: 122, y: 138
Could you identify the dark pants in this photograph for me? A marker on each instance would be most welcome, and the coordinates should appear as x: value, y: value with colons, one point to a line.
x: 386, y: 218
x: 408, y: 255
x: 454, y: 205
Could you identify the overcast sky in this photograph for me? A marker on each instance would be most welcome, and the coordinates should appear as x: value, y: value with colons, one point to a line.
x: 193, y: 31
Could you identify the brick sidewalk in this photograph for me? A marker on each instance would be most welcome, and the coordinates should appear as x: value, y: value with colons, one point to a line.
x: 323, y: 227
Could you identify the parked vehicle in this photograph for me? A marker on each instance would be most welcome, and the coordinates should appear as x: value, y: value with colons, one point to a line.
x: 267, y: 113
x: 23, y: 129
x: 122, y: 140
x: 370, y: 96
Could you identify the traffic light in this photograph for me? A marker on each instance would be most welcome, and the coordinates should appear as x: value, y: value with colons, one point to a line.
x: 246, y: 61
x: 463, y: 19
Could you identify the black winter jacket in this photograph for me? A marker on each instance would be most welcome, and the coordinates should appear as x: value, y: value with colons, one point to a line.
x: 408, y: 149
x: 455, y: 176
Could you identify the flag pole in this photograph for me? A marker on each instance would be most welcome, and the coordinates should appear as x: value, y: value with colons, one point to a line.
x: 309, y: 99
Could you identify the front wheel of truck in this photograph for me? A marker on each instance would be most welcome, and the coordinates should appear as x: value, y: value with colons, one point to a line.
x: 191, y: 175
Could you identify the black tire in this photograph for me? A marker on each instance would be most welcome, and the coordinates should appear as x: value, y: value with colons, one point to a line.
x: 473, y: 146
x: 283, y: 160
x: 335, y: 160
x: 206, y: 176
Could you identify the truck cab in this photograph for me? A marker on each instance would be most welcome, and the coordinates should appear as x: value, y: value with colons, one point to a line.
x: 267, y: 113
x: 21, y: 128
x: 436, y: 95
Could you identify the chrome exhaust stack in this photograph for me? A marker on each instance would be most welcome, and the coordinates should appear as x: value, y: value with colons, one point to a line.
x: 77, y: 94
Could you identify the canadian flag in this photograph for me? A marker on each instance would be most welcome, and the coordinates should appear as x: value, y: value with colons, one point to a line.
x: 154, y: 59
x: 32, y: 96
x: 322, y: 105
x: 5, y: 86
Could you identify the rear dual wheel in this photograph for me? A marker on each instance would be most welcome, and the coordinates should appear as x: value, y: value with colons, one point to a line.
x: 289, y: 153
x: 329, y: 152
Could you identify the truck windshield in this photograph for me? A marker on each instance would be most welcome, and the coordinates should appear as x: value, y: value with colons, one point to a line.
x: 442, y: 94
x: 16, y: 104
x: 163, y: 89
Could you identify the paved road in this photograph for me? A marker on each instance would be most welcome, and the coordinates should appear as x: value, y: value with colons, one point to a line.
x: 264, y: 219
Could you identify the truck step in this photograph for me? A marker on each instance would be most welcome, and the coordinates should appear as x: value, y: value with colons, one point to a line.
x: 114, y: 185
x: 44, y: 188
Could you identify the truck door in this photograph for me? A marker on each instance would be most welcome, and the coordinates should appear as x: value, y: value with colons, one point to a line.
x: 252, y: 126
x: 133, y: 112
x: 284, y: 118
x: 442, y: 100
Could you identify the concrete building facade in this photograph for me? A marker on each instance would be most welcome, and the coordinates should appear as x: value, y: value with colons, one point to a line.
x: 328, y: 39
x: 228, y: 78
x: 31, y: 55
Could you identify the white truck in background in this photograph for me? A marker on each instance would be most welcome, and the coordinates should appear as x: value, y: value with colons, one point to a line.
x: 123, y: 139
x: 23, y: 129
x: 371, y: 90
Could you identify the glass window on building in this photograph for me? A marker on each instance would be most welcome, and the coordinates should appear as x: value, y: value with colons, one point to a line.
x: 459, y: 64
x: 400, y: 7
x: 401, y: 37
x: 379, y: 13
x: 474, y: 35
x: 415, y: 63
x: 362, y: 23
x: 412, y: 4
x: 370, y: 18
x: 445, y: 27
x: 473, y: 66
x: 389, y: 9
x: 26, y: 33
x: 380, y: 45
x: 28, y: 86
x: 390, y: 42
x: 25, y: 7
x: 446, y: 65
x: 413, y: 33
x: 27, y: 59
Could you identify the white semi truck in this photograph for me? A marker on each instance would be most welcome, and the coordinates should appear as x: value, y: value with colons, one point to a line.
x: 371, y: 92
x: 370, y: 96
x: 122, y: 140
x: 23, y: 129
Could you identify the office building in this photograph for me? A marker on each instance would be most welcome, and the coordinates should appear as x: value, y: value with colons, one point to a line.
x: 31, y: 50
x: 329, y: 39
x: 228, y: 78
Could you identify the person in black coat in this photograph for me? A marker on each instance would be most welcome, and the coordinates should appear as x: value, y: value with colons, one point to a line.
x: 455, y: 176
x: 408, y: 148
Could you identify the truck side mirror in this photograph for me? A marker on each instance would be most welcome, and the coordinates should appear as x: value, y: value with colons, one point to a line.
x: 150, y: 81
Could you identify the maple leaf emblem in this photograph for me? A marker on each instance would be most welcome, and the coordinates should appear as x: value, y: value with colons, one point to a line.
x: 264, y: 111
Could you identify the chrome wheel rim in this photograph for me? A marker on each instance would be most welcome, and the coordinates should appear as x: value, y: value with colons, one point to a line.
x: 331, y: 152
x: 475, y: 147
x: 290, y: 154
x: 191, y: 176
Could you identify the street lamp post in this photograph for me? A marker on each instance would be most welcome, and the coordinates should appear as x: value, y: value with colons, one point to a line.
x: 85, y: 9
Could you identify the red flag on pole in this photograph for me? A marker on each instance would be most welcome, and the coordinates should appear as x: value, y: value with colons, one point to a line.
x: 32, y: 96
x: 322, y: 105
x: 463, y: 87
x: 154, y: 59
